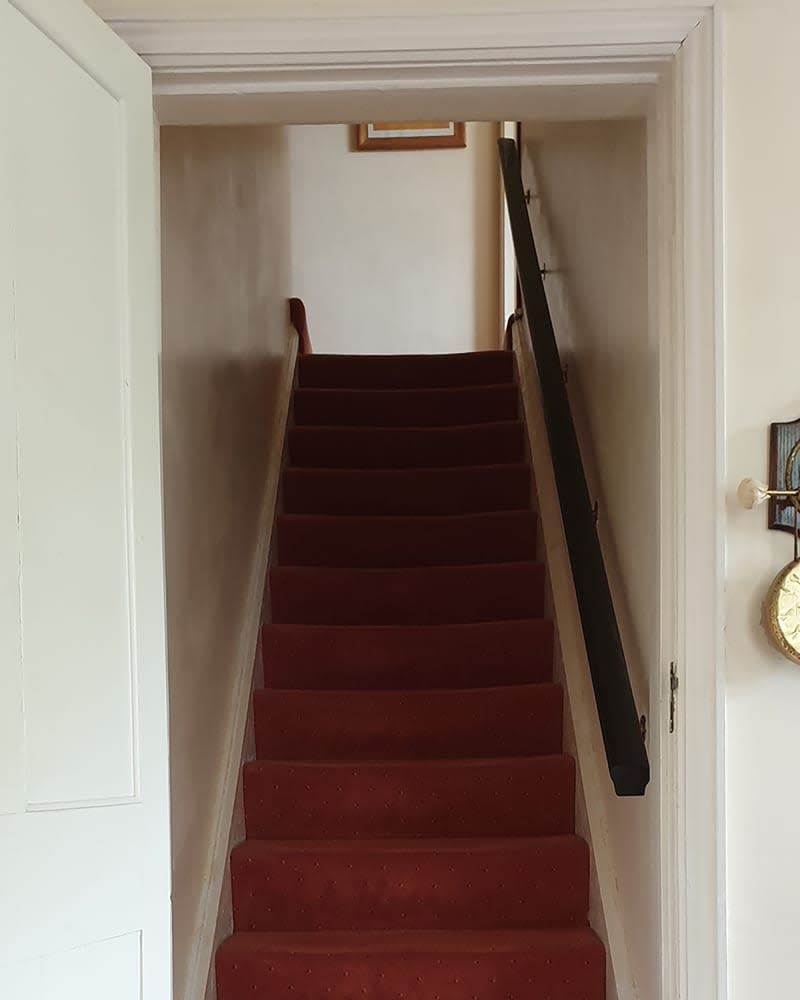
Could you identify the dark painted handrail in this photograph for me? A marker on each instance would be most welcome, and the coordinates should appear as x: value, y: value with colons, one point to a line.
x: 616, y: 708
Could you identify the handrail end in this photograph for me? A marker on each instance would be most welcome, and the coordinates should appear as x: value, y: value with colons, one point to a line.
x: 299, y: 320
x: 630, y: 780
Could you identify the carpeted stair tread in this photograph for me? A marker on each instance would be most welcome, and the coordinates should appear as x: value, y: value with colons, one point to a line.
x: 446, y: 884
x: 406, y: 447
x: 405, y: 407
x: 520, y: 797
x: 454, y: 490
x: 410, y: 814
x: 429, y: 595
x: 519, y: 721
x: 564, y: 963
x: 456, y: 540
x: 410, y: 371
x: 424, y: 540
x: 343, y: 657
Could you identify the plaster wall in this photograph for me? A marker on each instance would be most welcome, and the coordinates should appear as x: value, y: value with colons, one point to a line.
x: 589, y: 212
x: 396, y: 252
x: 225, y: 249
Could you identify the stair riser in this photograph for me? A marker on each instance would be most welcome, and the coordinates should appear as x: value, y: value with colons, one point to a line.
x: 433, y: 596
x: 405, y: 372
x: 415, y: 657
x: 577, y: 974
x: 405, y: 448
x: 421, y: 491
x: 404, y: 408
x: 544, y: 882
x: 493, y: 722
x: 528, y: 798
x: 398, y: 542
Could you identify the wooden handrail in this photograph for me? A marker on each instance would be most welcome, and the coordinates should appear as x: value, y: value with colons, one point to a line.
x: 299, y: 320
x: 616, y: 708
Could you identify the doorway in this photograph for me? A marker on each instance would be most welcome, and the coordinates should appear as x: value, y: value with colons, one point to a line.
x: 658, y: 65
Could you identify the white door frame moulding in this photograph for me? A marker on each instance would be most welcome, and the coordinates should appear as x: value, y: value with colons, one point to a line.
x: 281, y: 55
x: 271, y: 38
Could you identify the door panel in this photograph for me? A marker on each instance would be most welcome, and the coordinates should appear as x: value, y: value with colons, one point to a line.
x: 84, y: 824
x: 73, y: 352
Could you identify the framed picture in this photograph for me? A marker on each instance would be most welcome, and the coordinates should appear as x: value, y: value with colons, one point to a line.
x: 410, y: 135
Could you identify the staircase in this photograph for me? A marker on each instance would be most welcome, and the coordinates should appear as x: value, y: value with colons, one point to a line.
x: 410, y: 814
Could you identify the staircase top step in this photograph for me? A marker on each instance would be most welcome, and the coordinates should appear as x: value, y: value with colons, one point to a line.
x: 421, y: 431
x: 439, y: 393
x: 405, y: 371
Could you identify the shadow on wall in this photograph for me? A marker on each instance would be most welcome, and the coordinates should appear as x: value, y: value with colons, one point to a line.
x: 217, y: 415
x: 225, y: 250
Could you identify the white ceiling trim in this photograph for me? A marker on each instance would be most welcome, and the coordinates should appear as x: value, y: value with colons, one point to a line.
x: 226, y: 52
x: 248, y: 80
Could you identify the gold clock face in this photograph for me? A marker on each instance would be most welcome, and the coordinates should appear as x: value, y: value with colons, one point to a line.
x: 782, y: 612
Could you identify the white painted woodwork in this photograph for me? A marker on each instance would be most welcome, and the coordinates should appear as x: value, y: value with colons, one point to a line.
x: 280, y: 36
x: 508, y: 263
x: 84, y: 830
x: 283, y: 64
x: 698, y: 542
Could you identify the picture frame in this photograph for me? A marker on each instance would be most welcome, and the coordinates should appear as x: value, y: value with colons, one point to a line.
x: 396, y: 136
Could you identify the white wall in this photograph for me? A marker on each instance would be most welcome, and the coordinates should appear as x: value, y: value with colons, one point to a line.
x: 396, y: 252
x: 225, y: 231
x: 762, y: 384
x: 589, y: 214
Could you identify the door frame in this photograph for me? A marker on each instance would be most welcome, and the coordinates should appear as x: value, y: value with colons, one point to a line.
x: 217, y: 69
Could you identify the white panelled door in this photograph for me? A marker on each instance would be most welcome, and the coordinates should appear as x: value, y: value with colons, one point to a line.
x: 84, y: 817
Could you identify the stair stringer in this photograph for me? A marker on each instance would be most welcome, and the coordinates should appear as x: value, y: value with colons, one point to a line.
x: 215, y: 921
x: 582, y: 734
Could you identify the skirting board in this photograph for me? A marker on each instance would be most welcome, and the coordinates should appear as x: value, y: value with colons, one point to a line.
x: 213, y: 921
x: 583, y: 725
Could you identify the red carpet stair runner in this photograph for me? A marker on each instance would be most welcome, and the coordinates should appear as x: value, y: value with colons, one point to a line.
x: 410, y: 816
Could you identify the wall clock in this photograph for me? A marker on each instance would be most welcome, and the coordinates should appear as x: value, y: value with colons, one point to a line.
x: 781, y: 611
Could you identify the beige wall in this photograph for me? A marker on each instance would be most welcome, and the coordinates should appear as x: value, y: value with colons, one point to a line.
x: 396, y: 252
x: 591, y: 178
x: 590, y: 219
x: 225, y: 280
